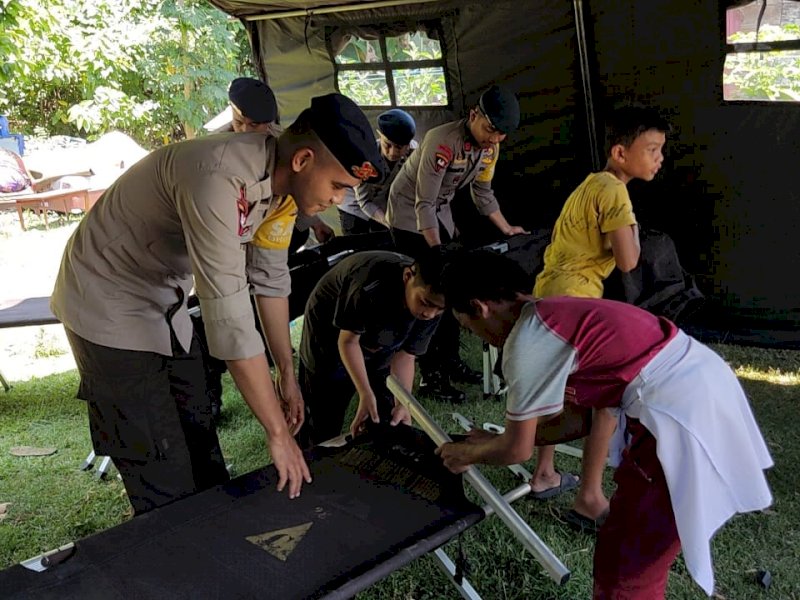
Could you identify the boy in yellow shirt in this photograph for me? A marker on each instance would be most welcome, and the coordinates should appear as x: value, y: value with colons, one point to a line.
x: 595, y: 232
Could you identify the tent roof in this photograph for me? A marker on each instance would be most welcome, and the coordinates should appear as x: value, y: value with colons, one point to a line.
x: 279, y: 8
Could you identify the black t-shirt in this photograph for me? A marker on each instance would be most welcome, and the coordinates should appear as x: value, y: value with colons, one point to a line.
x: 365, y: 294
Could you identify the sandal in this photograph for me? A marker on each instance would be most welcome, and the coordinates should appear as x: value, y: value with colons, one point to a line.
x: 583, y: 524
x: 568, y: 482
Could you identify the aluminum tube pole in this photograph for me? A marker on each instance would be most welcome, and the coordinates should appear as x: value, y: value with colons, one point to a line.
x: 510, y: 496
x: 586, y: 83
x: 555, y: 568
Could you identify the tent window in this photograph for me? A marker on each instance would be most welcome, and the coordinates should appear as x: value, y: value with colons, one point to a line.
x: 762, y: 61
x: 397, y: 70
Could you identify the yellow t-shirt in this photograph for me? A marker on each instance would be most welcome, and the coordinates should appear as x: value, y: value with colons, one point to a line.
x: 577, y: 260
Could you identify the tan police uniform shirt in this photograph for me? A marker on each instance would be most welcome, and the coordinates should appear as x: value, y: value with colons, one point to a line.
x: 447, y: 160
x: 186, y: 209
x: 372, y: 197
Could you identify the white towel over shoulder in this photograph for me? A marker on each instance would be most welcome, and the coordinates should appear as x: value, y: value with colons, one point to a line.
x: 708, y: 443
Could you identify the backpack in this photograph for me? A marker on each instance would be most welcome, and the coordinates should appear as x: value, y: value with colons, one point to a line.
x: 659, y: 284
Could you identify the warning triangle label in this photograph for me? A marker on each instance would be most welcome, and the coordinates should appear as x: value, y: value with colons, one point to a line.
x: 281, y: 542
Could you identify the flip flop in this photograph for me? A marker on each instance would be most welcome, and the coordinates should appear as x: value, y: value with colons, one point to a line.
x: 568, y: 482
x: 583, y: 524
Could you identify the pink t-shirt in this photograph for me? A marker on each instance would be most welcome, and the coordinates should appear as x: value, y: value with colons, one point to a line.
x: 580, y: 350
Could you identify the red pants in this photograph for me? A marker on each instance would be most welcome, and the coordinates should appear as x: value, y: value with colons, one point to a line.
x: 639, y: 540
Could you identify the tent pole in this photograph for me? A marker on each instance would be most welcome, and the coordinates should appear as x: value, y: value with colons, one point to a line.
x: 586, y: 81
x: 333, y: 9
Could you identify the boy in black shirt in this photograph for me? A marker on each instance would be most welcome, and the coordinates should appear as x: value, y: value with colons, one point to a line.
x: 370, y: 315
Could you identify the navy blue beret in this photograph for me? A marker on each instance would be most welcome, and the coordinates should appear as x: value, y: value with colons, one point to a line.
x: 500, y: 106
x: 254, y: 99
x: 346, y: 132
x: 397, y: 125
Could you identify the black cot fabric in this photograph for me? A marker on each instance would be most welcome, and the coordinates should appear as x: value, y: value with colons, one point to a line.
x: 28, y: 311
x: 306, y: 267
x: 245, y: 540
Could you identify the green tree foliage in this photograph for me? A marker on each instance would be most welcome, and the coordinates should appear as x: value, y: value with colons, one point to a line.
x: 765, y: 75
x: 154, y: 69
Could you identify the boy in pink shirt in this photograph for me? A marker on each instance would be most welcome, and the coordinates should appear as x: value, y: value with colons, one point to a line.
x: 693, y: 455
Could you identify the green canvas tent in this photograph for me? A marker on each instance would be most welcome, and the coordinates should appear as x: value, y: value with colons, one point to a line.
x: 727, y: 193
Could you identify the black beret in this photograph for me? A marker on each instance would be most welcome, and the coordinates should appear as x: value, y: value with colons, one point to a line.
x: 346, y: 132
x: 500, y: 106
x: 397, y: 125
x: 254, y: 99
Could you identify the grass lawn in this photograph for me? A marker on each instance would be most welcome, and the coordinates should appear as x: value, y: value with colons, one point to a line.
x: 52, y: 502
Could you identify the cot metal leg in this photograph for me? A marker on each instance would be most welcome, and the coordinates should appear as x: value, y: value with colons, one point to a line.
x: 105, y: 465
x: 519, y: 471
x: 570, y: 450
x: 42, y: 562
x: 102, y: 469
x: 563, y: 448
x: 557, y: 571
x: 445, y: 563
x: 449, y: 568
x: 89, y: 462
x: 492, y: 386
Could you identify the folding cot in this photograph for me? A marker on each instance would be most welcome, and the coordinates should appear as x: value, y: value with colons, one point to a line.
x: 246, y: 540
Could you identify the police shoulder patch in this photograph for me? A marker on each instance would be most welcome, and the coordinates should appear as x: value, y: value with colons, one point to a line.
x: 366, y: 171
x: 488, y: 155
x: 443, y: 156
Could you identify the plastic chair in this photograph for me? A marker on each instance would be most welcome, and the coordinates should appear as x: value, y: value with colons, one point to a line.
x: 11, y: 141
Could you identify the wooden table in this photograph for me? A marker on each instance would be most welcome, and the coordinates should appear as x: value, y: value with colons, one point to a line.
x: 65, y: 201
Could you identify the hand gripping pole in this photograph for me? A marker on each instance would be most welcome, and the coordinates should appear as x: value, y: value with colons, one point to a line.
x: 555, y: 568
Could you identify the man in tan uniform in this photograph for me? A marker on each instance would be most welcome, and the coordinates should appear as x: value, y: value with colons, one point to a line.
x: 365, y: 210
x: 451, y: 156
x: 185, y: 215
x: 253, y: 106
x: 255, y: 109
